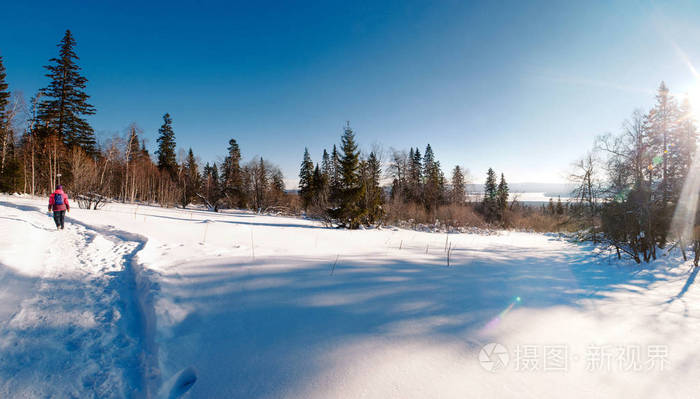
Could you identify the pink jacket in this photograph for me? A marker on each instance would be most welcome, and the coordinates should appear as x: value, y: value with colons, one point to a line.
x: 53, y: 206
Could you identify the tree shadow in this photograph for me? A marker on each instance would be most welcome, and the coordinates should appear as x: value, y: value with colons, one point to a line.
x: 266, y: 325
x: 688, y: 282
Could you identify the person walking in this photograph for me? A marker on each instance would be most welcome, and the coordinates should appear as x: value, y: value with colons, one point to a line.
x: 58, y: 204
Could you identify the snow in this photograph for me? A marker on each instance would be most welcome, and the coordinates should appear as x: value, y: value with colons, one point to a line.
x: 142, y: 301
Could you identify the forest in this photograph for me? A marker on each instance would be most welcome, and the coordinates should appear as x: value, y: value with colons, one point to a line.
x: 636, y: 191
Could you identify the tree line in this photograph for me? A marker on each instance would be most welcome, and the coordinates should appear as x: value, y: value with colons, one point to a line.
x: 346, y: 189
x: 49, y: 141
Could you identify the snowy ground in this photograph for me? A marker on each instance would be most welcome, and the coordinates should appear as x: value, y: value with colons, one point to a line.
x: 137, y: 301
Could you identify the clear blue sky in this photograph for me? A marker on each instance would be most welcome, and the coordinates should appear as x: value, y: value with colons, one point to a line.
x: 523, y: 87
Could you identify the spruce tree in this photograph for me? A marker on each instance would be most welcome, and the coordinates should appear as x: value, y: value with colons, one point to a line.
x: 319, y: 188
x: 4, y: 123
x: 190, y: 179
x: 65, y: 102
x: 334, y: 181
x: 415, y: 178
x: 144, y: 150
x: 326, y: 165
x: 232, y: 176
x: 502, y: 197
x: 306, y: 172
x: 350, y: 160
x: 551, y: 208
x: 166, y: 147
x: 211, y: 184
x: 490, y: 202
x: 4, y: 99
x: 458, y: 193
x: 277, y: 187
x: 326, y: 173
x: 260, y: 185
x: 133, y: 144
x: 560, y: 207
x: 350, y: 212
x: 433, y: 188
x: 373, y: 189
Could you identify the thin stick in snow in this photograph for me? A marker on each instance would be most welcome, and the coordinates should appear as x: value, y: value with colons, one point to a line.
x: 426, y: 248
x: 252, y: 243
x: 401, y: 245
x: 206, y: 226
x: 137, y: 208
x: 446, y: 237
x: 449, y: 250
x: 334, y: 263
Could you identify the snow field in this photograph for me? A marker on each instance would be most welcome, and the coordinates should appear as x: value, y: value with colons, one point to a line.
x: 144, y: 301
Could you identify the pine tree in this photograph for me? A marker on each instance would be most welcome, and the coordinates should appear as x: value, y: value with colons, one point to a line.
x: 232, y: 176
x: 490, y: 202
x: 502, y: 197
x: 65, y: 102
x: 458, y: 193
x: 166, y: 147
x: 306, y: 180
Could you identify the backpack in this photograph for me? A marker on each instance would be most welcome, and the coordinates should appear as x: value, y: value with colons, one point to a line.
x: 58, y: 199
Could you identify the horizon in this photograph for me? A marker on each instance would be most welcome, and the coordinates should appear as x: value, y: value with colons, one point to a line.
x: 486, y: 85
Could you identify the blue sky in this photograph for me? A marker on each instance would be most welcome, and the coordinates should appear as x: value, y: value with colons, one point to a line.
x: 523, y: 87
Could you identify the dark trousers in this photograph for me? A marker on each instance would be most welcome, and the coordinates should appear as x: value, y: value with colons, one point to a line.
x: 58, y: 217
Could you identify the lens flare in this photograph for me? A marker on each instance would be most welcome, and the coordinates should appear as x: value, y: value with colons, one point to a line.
x: 496, y: 320
x: 683, y: 220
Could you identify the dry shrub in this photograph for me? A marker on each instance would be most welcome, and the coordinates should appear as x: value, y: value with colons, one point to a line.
x: 525, y: 218
x: 518, y: 217
x: 451, y: 215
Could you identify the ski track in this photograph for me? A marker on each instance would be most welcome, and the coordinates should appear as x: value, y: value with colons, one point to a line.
x: 91, y: 323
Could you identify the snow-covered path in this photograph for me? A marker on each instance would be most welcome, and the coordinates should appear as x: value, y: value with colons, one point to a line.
x: 70, y: 323
x: 268, y: 307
